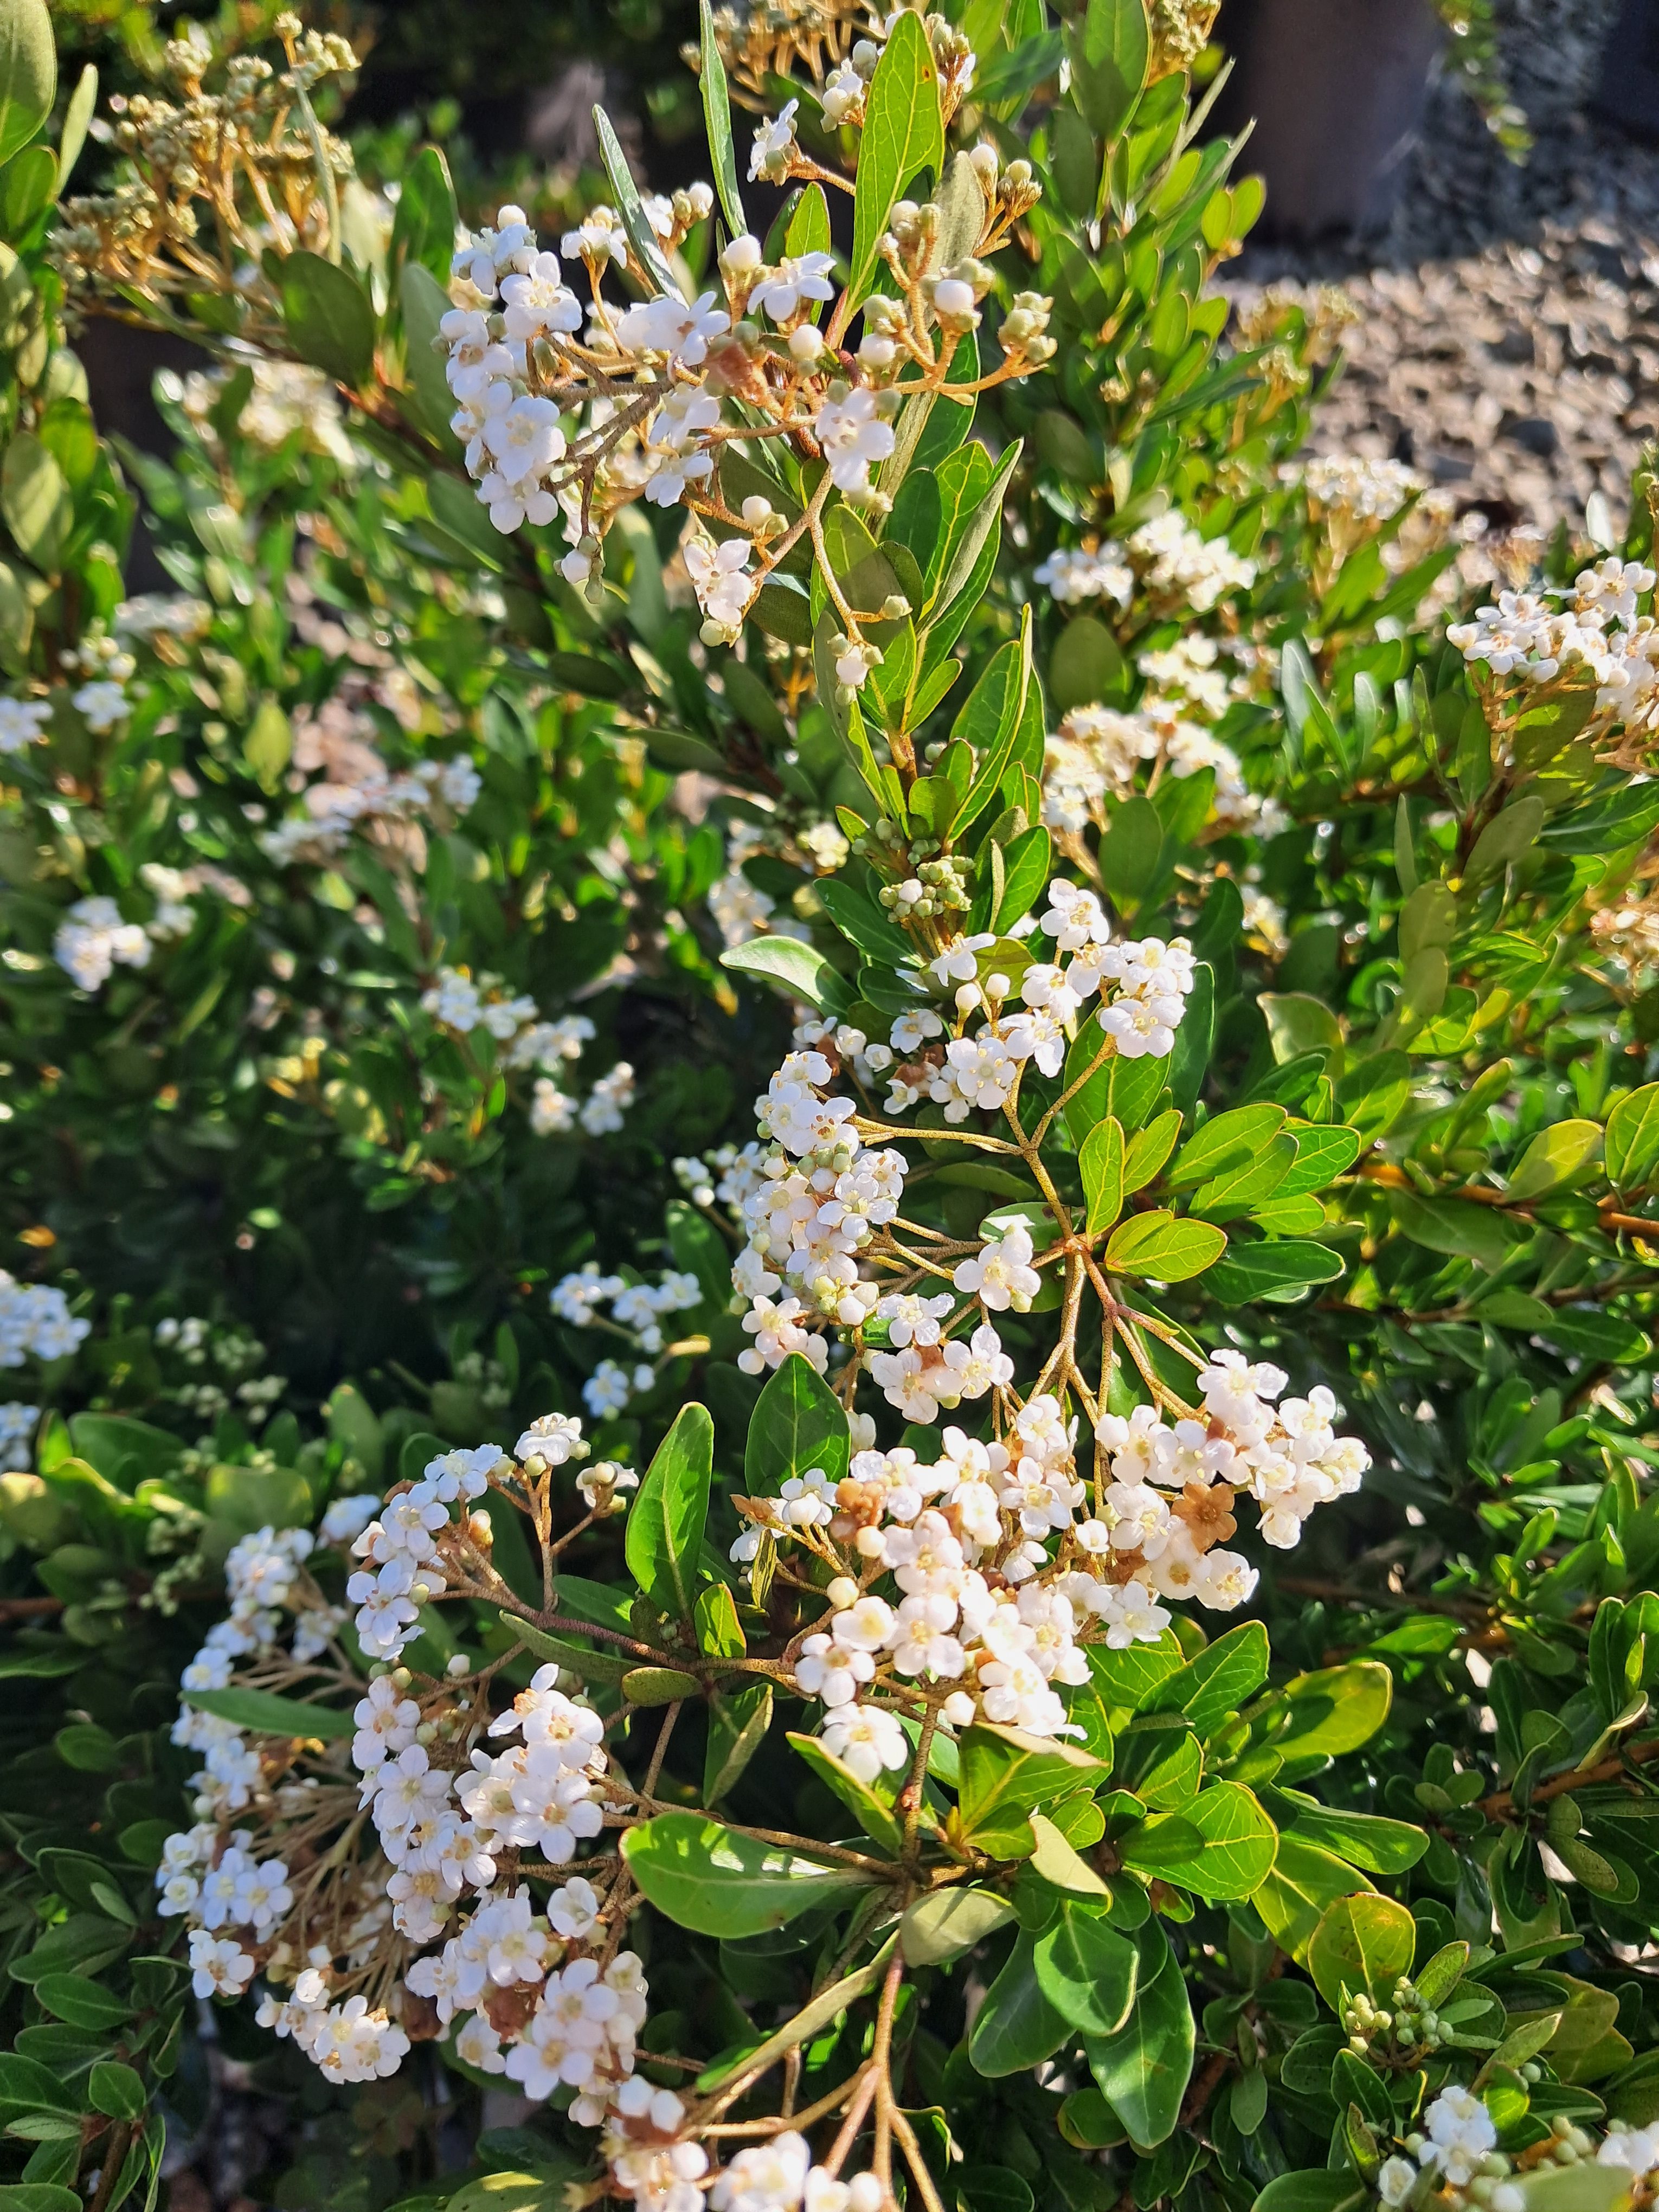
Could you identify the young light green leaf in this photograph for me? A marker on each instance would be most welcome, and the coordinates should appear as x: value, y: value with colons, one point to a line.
x: 666, y: 1525
x: 1159, y: 1247
x: 1364, y: 1942
x: 1225, y: 1848
x: 717, y: 115
x: 1148, y: 1149
x: 715, y: 1881
x: 1006, y: 1775
x: 903, y: 134
x: 77, y: 119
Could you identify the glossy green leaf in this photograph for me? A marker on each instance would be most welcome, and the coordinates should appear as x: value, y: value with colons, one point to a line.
x: 1632, y: 1138
x: 715, y: 1881
x: 1006, y: 1775
x: 798, y: 1425
x: 903, y: 134
x: 947, y: 1923
x: 1101, y: 1164
x: 648, y: 250
x: 666, y: 1519
x: 1087, y: 1969
x: 738, y: 1718
x: 717, y: 118
x: 423, y: 226
x: 1364, y: 1942
x: 1110, y: 56
x: 1015, y: 2027
x: 1143, y: 2070
x: 786, y: 961
x: 1226, y: 1843
x: 29, y: 72
x: 873, y: 1813
x: 329, y: 317
x: 1162, y: 1249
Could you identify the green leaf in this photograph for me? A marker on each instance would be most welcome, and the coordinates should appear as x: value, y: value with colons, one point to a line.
x: 1365, y: 1839
x: 1015, y: 2027
x: 872, y: 1813
x: 1158, y: 1246
x: 82, y: 2002
x: 262, y: 1713
x: 1217, y: 1680
x: 797, y: 1423
x: 1304, y: 1882
x: 666, y: 1525
x: 29, y: 72
x: 269, y: 745
x: 1143, y: 2070
x: 77, y: 119
x: 1148, y: 1150
x: 720, y: 1632
x: 647, y: 251
x: 739, y: 1719
x: 717, y: 116
x: 714, y: 1881
x: 1317, y: 2189
x: 1006, y: 1775
x: 1059, y: 1864
x: 1109, y: 60
x: 329, y: 317
x: 1453, y: 1226
x: 1554, y: 1155
x: 1335, y: 1709
x: 1632, y: 1138
x: 1279, y: 1271
x: 424, y: 303
x: 1101, y: 1163
x: 1364, y: 1942
x: 802, y: 972
x: 1231, y: 1852
x: 1226, y: 1142
x: 1086, y: 666
x: 35, y: 500
x: 903, y: 134
x: 27, y: 2081
x: 116, y: 2090
x: 39, y: 2197
x: 1087, y: 1970
x: 809, y: 225
x: 658, y: 1686
x: 587, y: 1662
x: 423, y: 227
x: 946, y: 1922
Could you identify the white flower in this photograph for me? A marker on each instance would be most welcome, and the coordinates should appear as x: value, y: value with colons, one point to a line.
x: 22, y: 722
x: 103, y: 705
x: 717, y: 576
x: 94, y: 938
x: 1000, y: 1275
x: 774, y: 147
x: 219, y: 1965
x: 554, y: 1437
x: 539, y: 301
x: 867, y: 1739
x: 599, y: 238
x: 782, y: 291
x: 853, y: 437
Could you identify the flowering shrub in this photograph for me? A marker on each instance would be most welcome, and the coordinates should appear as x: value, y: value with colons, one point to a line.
x: 1137, y: 1685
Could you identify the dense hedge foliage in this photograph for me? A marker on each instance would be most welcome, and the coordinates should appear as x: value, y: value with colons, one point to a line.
x: 791, y: 1006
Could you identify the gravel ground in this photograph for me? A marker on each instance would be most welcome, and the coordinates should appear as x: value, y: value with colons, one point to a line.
x: 1508, y: 345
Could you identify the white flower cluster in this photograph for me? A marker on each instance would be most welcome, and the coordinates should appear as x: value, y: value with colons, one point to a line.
x: 1592, y: 630
x: 539, y: 1996
x: 357, y: 788
x: 637, y: 1307
x: 1072, y: 574
x: 1095, y: 754
x: 404, y: 1569
x: 1193, y: 572
x: 999, y: 1571
x: 35, y: 1321
x: 464, y: 1003
x: 94, y: 938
